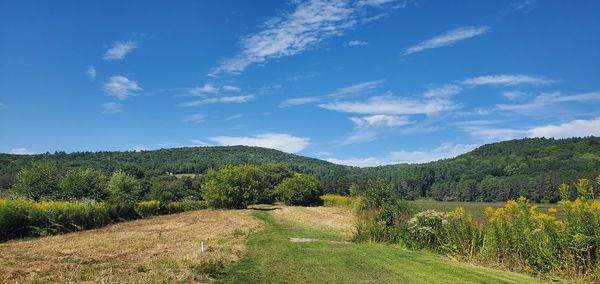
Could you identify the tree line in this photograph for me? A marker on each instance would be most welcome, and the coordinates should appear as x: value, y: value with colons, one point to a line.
x: 532, y: 167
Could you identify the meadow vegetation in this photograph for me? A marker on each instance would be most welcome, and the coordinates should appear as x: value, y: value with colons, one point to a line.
x: 561, y: 241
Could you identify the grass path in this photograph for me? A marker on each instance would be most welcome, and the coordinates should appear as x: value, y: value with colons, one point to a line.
x: 325, y: 256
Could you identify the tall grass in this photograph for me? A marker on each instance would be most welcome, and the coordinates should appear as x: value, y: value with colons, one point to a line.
x: 25, y: 218
x: 562, y: 241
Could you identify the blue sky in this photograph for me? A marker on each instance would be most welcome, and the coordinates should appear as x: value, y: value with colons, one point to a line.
x: 364, y: 82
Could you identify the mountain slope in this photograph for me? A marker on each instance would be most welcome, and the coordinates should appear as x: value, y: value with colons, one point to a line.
x: 497, y: 171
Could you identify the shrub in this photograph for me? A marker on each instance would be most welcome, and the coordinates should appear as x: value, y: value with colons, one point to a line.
x: 336, y: 200
x: 232, y: 186
x: 299, y: 190
x: 38, y: 181
x: 123, y: 188
x: 80, y: 183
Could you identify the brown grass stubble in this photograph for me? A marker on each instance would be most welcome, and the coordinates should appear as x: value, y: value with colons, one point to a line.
x: 162, y: 249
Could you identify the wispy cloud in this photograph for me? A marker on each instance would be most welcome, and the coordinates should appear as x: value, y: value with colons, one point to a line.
x: 448, y: 38
x: 138, y: 148
x: 230, y: 88
x: 90, y: 72
x: 357, y: 89
x: 235, y: 116
x: 357, y: 43
x: 515, y: 95
x: 367, y: 128
x: 121, y: 87
x: 393, y: 105
x: 311, y: 22
x: 207, y: 88
x: 506, y: 80
x: 218, y: 100
x: 446, y: 150
x: 197, y: 117
x: 2, y: 106
x: 280, y: 141
x: 445, y: 91
x: 112, y: 107
x: 522, y: 5
x: 22, y: 151
x: 546, y: 99
x: 119, y: 50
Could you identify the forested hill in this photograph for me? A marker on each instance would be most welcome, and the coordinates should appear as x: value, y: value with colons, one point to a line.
x: 498, y: 171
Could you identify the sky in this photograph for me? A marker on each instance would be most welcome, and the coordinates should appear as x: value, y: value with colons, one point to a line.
x: 361, y: 82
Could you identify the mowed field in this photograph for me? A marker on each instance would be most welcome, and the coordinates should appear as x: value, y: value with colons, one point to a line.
x: 163, y: 249
x: 265, y: 244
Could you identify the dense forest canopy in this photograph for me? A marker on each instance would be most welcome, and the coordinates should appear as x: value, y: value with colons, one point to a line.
x: 530, y: 167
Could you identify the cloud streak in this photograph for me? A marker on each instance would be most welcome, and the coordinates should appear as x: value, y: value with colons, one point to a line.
x: 311, y: 22
x: 448, y: 38
x: 356, y: 89
x: 119, y: 50
x: 121, y: 87
x: 218, y: 100
x: 505, y: 79
x: 392, y: 105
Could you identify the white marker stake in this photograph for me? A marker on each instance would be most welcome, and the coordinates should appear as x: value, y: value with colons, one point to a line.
x: 202, y: 247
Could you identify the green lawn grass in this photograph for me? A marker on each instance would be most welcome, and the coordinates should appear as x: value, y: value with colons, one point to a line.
x: 272, y: 258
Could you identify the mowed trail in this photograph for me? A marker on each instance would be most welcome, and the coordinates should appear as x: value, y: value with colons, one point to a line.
x: 163, y: 249
x: 311, y: 245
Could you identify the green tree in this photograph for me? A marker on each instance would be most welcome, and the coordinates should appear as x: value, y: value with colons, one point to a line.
x: 123, y: 188
x: 41, y: 180
x: 80, y: 183
x: 273, y: 174
x: 232, y: 186
x: 300, y: 190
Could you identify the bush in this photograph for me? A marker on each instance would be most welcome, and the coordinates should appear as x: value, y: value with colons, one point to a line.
x: 232, y: 186
x: 39, y: 181
x: 299, y: 190
x: 80, y: 183
x: 123, y: 188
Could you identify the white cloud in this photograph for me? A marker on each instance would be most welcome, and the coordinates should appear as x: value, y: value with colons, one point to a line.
x: 22, y: 151
x: 311, y: 22
x: 235, y: 116
x: 90, y: 71
x: 198, y: 142
x: 2, y: 106
x: 112, y: 107
x: 380, y: 120
x: 357, y: 43
x: 279, y: 141
x: 522, y: 5
x: 356, y: 89
x: 218, y: 100
x: 515, y: 95
x: 446, y: 150
x: 445, y: 91
x: 575, y: 128
x: 506, y: 80
x: 119, y: 50
x: 198, y: 117
x: 546, y: 99
x: 207, y: 88
x: 121, y: 87
x: 487, y: 134
x: 374, y: 3
x: 231, y: 88
x: 448, y: 38
x: 389, y: 104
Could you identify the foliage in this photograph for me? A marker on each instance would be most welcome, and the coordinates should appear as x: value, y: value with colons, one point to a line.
x: 299, y: 190
x: 562, y: 241
x: 26, y: 218
x: 232, y: 186
x: 123, y: 188
x: 80, y: 183
x: 38, y: 181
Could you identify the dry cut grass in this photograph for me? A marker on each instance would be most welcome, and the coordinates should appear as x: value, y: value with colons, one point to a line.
x: 163, y: 249
x: 339, y: 219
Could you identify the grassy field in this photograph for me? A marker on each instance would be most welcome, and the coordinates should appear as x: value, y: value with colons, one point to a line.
x: 302, y: 245
x: 475, y: 208
x: 162, y: 249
